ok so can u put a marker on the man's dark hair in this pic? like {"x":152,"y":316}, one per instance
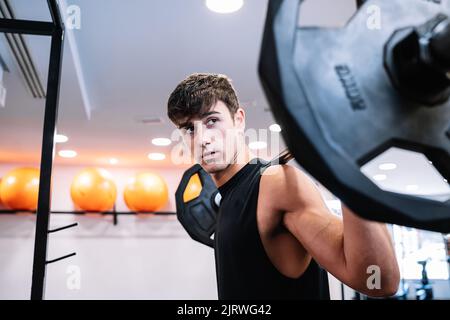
{"x":196,"y":94}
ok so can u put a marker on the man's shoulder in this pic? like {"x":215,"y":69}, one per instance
{"x":281,"y":176}
{"x":285,"y":187}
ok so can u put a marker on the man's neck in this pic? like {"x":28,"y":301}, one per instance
{"x":223,"y":176}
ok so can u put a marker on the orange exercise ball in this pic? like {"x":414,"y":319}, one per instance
{"x":146,"y":191}
{"x":19,"y":189}
{"x":93,"y":189}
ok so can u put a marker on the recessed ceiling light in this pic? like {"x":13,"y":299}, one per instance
{"x":224,"y":6}
{"x":412,"y":187}
{"x":156,"y":156}
{"x":379,"y":177}
{"x":275,"y":127}
{"x":387,"y":166}
{"x":113,"y":161}
{"x":161,"y":141}
{"x":256,"y":145}
{"x":67,"y":153}
{"x":60,"y":138}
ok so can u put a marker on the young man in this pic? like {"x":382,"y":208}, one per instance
{"x":273,"y":229}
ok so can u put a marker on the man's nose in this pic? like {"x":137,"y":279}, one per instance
{"x":204,"y":136}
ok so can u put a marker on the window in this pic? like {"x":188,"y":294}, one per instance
{"x":413,"y":245}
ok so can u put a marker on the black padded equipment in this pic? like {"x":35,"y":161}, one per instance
{"x":198,"y":215}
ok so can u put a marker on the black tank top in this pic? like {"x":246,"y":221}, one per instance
{"x":244,"y":271}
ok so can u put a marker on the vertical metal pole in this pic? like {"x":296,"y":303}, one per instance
{"x":114,"y":214}
{"x":47,"y":154}
{"x":359,"y":3}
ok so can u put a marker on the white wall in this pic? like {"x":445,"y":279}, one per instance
{"x":140,"y":258}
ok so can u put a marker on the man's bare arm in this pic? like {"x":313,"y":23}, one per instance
{"x":345,"y":247}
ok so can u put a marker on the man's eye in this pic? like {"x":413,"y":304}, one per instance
{"x":189,"y":130}
{"x":211,"y":121}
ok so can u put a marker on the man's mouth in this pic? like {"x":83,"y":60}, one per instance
{"x":209,"y":155}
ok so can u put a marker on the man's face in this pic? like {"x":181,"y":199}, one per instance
{"x":213,"y":138}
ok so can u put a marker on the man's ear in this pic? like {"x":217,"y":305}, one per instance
{"x":239,"y":119}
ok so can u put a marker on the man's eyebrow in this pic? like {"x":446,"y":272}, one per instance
{"x":203,"y":115}
{"x":208,"y":114}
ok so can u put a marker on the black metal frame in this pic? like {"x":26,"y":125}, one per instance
{"x":55,"y":29}
{"x":114,"y":213}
